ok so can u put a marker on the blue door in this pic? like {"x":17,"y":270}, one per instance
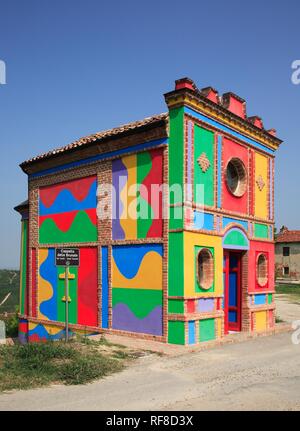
{"x":232,"y":291}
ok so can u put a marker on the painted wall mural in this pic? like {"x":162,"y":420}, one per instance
{"x":261,"y":186}
{"x":204,"y":169}
{"x":220,"y":253}
{"x":132,"y":177}
{"x":67,"y":212}
{"x":38,"y":332}
{"x":137,"y":288}
{"x":83,"y":289}
{"x":229,"y":202}
{"x":23,"y":267}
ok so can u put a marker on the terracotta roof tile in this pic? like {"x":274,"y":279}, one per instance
{"x":99,"y":136}
{"x":288,"y":236}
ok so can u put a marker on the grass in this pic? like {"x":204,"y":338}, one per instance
{"x":40,"y":364}
{"x":11,"y":324}
{"x":288,"y":288}
{"x":292,"y":290}
{"x":9,"y":283}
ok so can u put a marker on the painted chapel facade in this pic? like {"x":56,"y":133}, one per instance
{"x":203,"y":271}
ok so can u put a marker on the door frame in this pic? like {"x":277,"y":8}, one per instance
{"x":226,"y":269}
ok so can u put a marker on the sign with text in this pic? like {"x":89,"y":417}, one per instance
{"x":67,"y":256}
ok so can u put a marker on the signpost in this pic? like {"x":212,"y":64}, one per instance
{"x":67,"y":257}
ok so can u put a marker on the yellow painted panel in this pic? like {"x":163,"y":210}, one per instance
{"x":191,"y":240}
{"x":149,"y":275}
{"x":128,"y":219}
{"x":45,"y":290}
{"x":261,"y":194}
{"x":261,"y":320}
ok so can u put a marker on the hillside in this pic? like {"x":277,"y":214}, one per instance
{"x":9,"y":282}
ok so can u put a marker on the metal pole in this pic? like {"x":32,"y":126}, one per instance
{"x":67,"y":300}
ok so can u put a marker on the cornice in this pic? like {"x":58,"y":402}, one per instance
{"x":217,"y":112}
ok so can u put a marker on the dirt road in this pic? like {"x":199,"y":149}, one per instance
{"x":263,"y":373}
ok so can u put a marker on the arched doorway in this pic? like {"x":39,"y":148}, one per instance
{"x":235,"y":245}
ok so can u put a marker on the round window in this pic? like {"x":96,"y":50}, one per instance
{"x":262,"y":270}
{"x":205,"y":272}
{"x":236,"y":177}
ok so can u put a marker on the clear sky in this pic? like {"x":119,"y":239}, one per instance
{"x":77,"y":67}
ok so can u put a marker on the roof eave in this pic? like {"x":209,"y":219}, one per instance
{"x":159,"y":122}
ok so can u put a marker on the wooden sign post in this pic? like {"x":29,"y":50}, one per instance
{"x":67,"y":257}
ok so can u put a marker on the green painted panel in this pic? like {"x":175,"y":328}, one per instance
{"x":144,"y":210}
{"x":197,"y":286}
{"x":175,"y":270}
{"x":176,"y":218}
{"x":81,"y":230}
{"x":24,"y":242}
{"x":236,"y":238}
{"x":204,"y":145}
{"x":176,"y":306}
{"x":176,"y":150}
{"x":176,"y":332}
{"x":207,"y":330}
{"x":140,"y":301}
{"x":72,"y":294}
{"x":260,"y":230}
{"x":270,"y":298}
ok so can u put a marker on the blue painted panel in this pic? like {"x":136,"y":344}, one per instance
{"x":227,"y":220}
{"x":232,"y":316}
{"x":260,"y":299}
{"x":203,"y":220}
{"x":126,"y":150}
{"x":48,"y":271}
{"x":233,"y":289}
{"x":65,"y":201}
{"x":128,"y":258}
{"x":192,"y":332}
{"x":104,"y":287}
{"x":228,"y":130}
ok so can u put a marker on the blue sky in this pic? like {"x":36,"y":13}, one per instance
{"x":77,"y":67}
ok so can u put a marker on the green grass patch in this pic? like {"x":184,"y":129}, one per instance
{"x":40,"y":364}
{"x":292,"y":290}
{"x":9,"y":284}
{"x":11,"y":324}
{"x":288,"y":288}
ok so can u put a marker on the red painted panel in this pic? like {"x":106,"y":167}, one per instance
{"x":255,"y":248}
{"x":213,"y":96}
{"x":88,"y":287}
{"x":251,"y":185}
{"x":64,"y":220}
{"x":155,"y":176}
{"x":33,"y":282}
{"x":236,"y":106}
{"x":79,"y":189}
{"x":191,"y":306}
{"x":271,"y":322}
{"x":229,"y":201}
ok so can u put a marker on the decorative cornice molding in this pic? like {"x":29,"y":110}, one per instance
{"x":217,"y":112}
